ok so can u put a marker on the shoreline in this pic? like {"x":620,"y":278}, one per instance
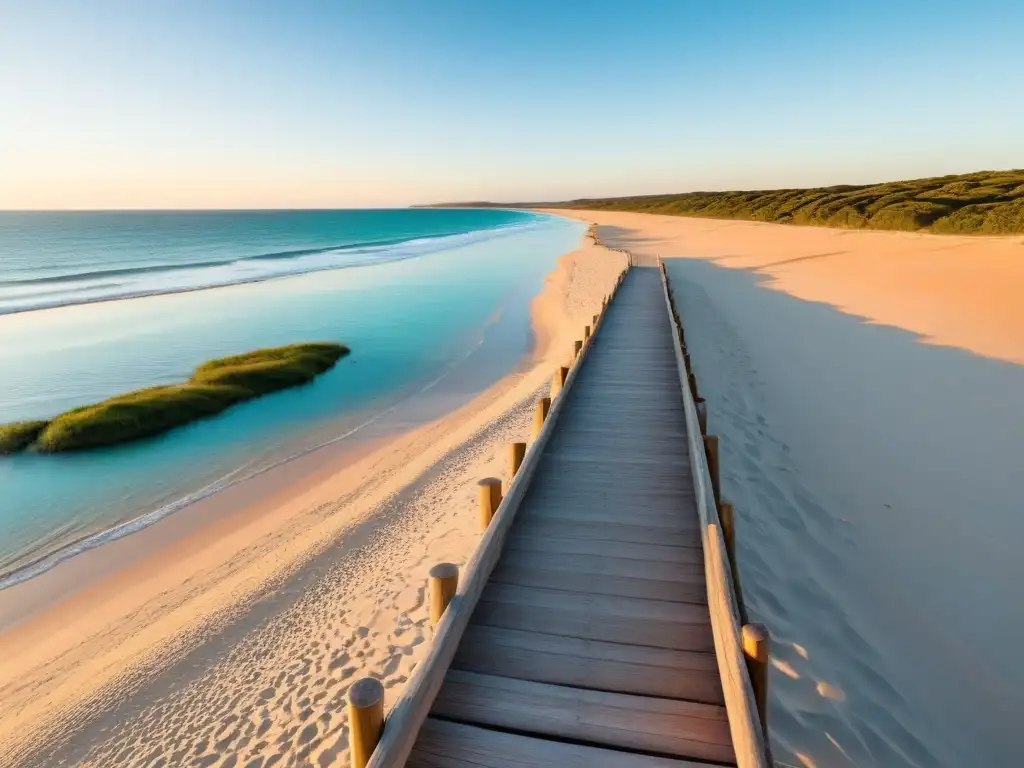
{"x":176,"y":583}
{"x":35,"y":558}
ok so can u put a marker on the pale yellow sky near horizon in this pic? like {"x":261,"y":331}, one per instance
{"x":195,"y":191}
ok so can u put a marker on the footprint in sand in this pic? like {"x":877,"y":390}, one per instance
{"x":308,"y":733}
{"x":391,"y":665}
{"x":340,"y":658}
{"x":409,"y":599}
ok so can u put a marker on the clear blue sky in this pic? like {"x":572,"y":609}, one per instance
{"x":216,"y":103}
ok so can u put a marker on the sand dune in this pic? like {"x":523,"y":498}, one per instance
{"x":236,"y":642}
{"x":959,"y":291}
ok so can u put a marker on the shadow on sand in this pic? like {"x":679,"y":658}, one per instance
{"x":877,"y":485}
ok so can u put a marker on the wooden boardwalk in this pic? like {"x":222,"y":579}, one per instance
{"x":591,"y":642}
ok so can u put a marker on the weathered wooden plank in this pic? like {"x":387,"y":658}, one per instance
{"x":658,"y":623}
{"x":636,"y":442}
{"x":565,"y":546}
{"x":665,"y":494}
{"x":454,"y":745}
{"x":598,"y":461}
{"x":691,"y":590}
{"x":611,"y":507}
{"x":598,"y":406}
{"x":629,"y":393}
{"x":606,"y":454}
{"x":625,"y":433}
{"x":645,"y":479}
{"x":546,"y":527}
{"x":544,"y":658}
{"x":617,"y":567}
{"x":644,"y":723}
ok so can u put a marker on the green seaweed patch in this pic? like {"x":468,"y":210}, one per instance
{"x":214,"y":386}
{"x":19,"y":435}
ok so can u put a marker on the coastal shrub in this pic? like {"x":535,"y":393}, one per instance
{"x":846,"y":217}
{"x":19,"y":435}
{"x":952,"y":203}
{"x":987,"y":218}
{"x":1004,"y":219}
{"x":214,"y":386}
{"x":909,"y":215}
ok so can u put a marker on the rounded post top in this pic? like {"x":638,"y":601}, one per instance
{"x":489,"y":481}
{"x":366,"y":692}
{"x":444,"y":571}
{"x":755,"y":641}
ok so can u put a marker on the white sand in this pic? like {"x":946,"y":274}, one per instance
{"x":238,"y":639}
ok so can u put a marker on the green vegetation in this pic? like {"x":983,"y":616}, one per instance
{"x":19,"y":435}
{"x":987,"y":202}
{"x":214,"y":386}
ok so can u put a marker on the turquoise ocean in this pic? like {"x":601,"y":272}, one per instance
{"x":433,"y":303}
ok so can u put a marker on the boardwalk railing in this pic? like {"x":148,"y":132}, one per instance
{"x":746,"y":718}
{"x":378,"y":743}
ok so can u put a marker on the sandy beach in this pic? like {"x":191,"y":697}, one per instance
{"x":958,"y":291}
{"x":230,"y":631}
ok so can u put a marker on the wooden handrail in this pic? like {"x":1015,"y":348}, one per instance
{"x":403,"y":723}
{"x":748,"y":738}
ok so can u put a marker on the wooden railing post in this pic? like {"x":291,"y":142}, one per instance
{"x":558,"y":382}
{"x":516,"y":453}
{"x":586,"y":332}
{"x":711,"y":449}
{"x":365,"y":719}
{"x":693,"y":387}
{"x":727,"y":516}
{"x":576,"y":347}
{"x":543,"y":406}
{"x":490,"y":500}
{"x":443,"y":582}
{"x":756,"y":649}
{"x":702,"y":415}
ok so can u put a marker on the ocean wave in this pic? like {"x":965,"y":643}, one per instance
{"x":51,"y":291}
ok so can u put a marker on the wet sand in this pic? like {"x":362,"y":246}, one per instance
{"x":229,"y":632}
